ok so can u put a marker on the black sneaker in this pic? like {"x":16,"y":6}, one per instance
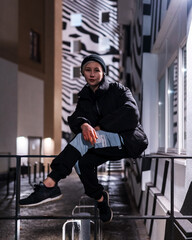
{"x":41,"y":194}
{"x":105,"y":211}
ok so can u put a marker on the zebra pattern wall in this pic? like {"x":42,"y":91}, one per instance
{"x":136,"y":55}
{"x":132,"y":52}
{"x":88,"y":27}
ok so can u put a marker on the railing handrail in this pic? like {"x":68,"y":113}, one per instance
{"x":17,"y":217}
{"x":54,"y":155}
{"x":26,"y":155}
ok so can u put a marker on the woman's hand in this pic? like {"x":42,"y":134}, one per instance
{"x":89,"y":133}
{"x":97,"y":128}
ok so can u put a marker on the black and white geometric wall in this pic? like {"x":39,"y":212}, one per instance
{"x":88,"y":27}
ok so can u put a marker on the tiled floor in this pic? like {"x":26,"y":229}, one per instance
{"x":72,"y":189}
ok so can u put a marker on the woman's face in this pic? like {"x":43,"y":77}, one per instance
{"x":93,"y":73}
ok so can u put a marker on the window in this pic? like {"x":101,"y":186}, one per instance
{"x":35,"y":46}
{"x":172,"y":97}
{"x":76,"y":72}
{"x":104,"y":44}
{"x":184,"y":96}
{"x":172,"y":106}
{"x":75,"y":98}
{"x":104,"y":17}
{"x":161,"y":113}
{"x":76,"y":46}
{"x":76,"y":19}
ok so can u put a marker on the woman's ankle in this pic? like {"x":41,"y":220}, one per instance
{"x":49,"y":182}
{"x":100,"y":200}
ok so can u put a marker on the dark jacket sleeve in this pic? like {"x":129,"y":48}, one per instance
{"x":125,"y":117}
{"x":77,"y":119}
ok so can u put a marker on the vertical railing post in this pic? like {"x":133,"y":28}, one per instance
{"x":8,"y":181}
{"x":172,"y":200}
{"x":40,"y":169}
{"x":29,"y":173}
{"x":109,"y":169}
{"x":48,"y":168}
{"x":35,"y":172}
{"x":43,"y":167}
{"x":95,"y":221}
{"x":17,"y":207}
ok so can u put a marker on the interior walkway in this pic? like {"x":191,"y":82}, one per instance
{"x":120,"y":200}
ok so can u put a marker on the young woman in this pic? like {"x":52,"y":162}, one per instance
{"x":106,"y":124}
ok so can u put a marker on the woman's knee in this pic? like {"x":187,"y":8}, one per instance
{"x":80,"y":144}
{"x":77,"y":139}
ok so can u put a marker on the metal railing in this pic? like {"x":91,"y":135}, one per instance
{"x":17,"y":217}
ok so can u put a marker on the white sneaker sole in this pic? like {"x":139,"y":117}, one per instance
{"x":44,"y":201}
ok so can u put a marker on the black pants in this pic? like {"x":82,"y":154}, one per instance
{"x":88,"y":168}
{"x":62,"y":166}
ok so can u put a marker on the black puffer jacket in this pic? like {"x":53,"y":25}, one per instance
{"x":113,"y":108}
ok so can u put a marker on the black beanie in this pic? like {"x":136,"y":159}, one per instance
{"x":95,"y":58}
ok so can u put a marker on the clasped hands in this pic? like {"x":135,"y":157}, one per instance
{"x":89,"y":133}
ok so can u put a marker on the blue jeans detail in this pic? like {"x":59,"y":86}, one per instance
{"x":105,"y":139}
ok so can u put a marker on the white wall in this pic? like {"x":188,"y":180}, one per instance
{"x":21,"y":107}
{"x":30,"y":106}
{"x":8,"y":106}
{"x":8,"y":110}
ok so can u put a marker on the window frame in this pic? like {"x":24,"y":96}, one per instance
{"x":179,"y":61}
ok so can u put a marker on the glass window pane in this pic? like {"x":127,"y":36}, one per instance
{"x":76,"y":72}
{"x":162,"y":112}
{"x":104,"y":44}
{"x":76,"y":46}
{"x":184,"y":95}
{"x":172,"y":105}
{"x":105,"y":17}
{"x":76,"y":19}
